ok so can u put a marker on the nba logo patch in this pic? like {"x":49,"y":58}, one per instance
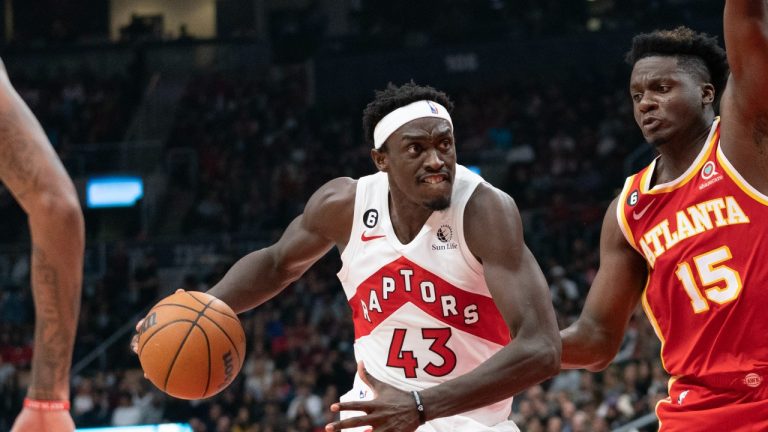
{"x":432,"y":107}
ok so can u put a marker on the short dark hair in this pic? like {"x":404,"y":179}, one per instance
{"x":697,"y":53}
{"x":394,"y":97}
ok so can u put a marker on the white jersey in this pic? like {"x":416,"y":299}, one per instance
{"x":422,"y":311}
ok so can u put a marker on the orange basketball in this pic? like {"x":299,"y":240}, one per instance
{"x":191,"y":345}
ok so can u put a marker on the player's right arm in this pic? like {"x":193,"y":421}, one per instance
{"x":260,"y":275}
{"x":594,"y":339}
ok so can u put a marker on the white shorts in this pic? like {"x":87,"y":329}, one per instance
{"x":455,"y":423}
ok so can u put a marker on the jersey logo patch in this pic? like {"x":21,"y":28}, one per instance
{"x":370,"y":218}
{"x":366,"y":238}
{"x":708,"y":171}
{"x":710,"y":175}
{"x":632,"y":198}
{"x":445,"y":233}
{"x":753,"y":380}
{"x":637,"y":215}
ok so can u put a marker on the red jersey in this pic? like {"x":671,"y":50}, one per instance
{"x":702,"y":237}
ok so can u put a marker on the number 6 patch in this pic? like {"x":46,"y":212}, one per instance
{"x":371,"y":217}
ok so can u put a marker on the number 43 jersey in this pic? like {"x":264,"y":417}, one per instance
{"x":422,"y":311}
{"x":703,"y":237}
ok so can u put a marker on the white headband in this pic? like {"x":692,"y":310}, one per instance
{"x":392,"y":121}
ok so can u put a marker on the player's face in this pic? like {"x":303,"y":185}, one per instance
{"x":420,"y":161}
{"x":667,"y":100}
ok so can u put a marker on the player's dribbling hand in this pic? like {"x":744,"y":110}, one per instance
{"x":391,"y":410}
{"x":135,"y":338}
{"x":33,"y":420}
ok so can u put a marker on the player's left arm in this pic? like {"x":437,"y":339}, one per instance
{"x":494,"y":234}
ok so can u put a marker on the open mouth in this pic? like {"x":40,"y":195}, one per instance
{"x":434,"y":178}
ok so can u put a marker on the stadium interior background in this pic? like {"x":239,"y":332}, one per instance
{"x":232,"y":112}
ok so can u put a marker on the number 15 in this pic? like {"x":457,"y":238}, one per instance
{"x":711,"y":272}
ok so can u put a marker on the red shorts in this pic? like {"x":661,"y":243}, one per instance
{"x":735,"y":402}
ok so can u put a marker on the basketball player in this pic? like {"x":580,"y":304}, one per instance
{"x":452,"y":314}
{"x":686,"y":233}
{"x":32,"y":172}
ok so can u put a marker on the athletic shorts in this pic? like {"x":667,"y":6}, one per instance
{"x":448,"y":424}
{"x":736,"y":402}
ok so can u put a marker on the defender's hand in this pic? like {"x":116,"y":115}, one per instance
{"x":391,"y":410}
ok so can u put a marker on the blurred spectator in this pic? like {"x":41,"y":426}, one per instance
{"x":126,"y":413}
{"x":306,"y":403}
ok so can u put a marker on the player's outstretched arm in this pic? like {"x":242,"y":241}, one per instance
{"x":35,"y":176}
{"x":260,"y":275}
{"x":745,"y":25}
{"x":744,"y":104}
{"x":594,"y":339}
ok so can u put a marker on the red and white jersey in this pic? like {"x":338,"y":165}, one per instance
{"x":702,"y":236}
{"x":422,"y":311}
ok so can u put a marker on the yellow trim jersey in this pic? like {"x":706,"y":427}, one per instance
{"x":702,"y":237}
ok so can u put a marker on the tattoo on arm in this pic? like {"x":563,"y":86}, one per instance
{"x":17,"y":154}
{"x":54,"y":328}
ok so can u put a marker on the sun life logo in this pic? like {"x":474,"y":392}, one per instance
{"x":445,"y":233}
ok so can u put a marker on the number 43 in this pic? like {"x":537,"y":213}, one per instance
{"x":711,"y":272}
{"x":405,"y":360}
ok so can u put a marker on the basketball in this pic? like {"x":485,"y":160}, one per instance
{"x":191,"y":345}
